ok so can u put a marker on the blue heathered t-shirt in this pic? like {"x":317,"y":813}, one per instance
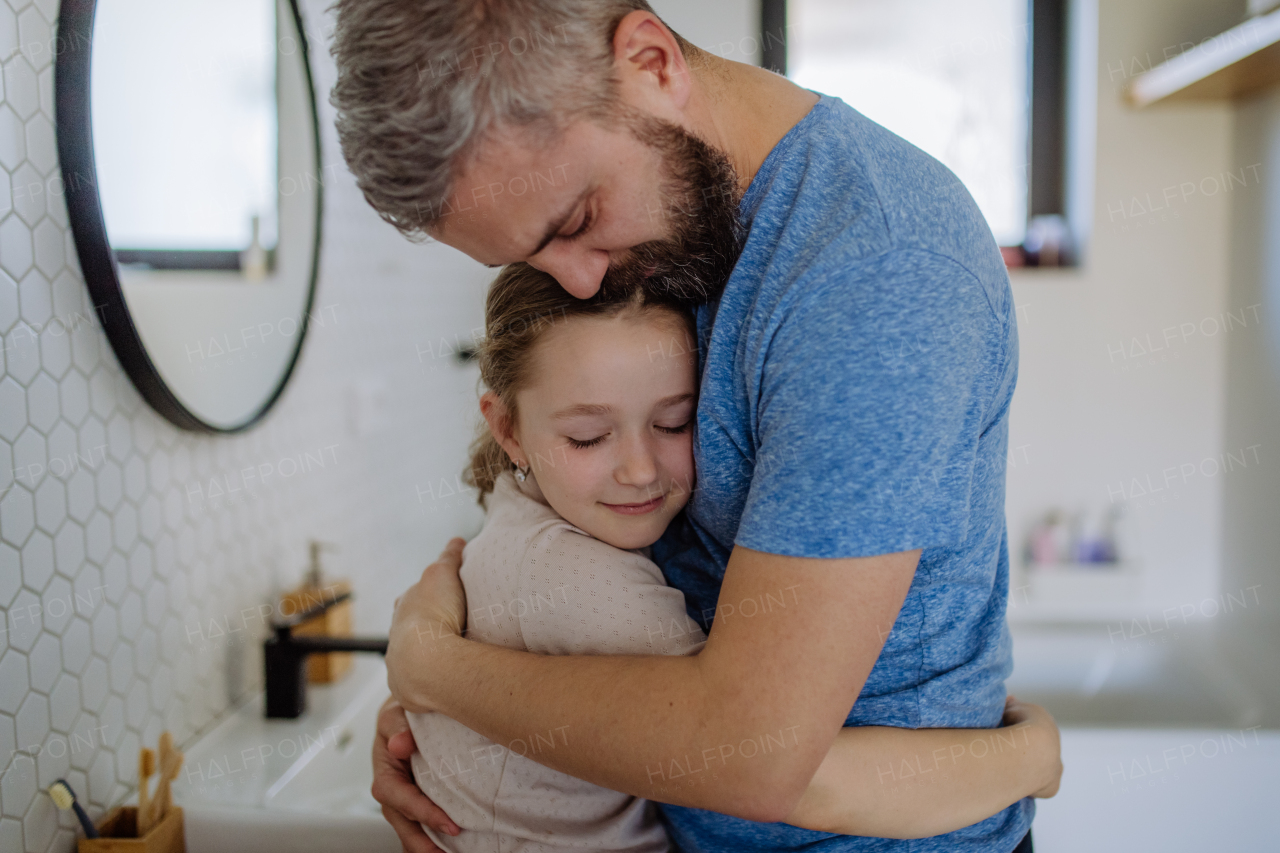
{"x":856,"y":378}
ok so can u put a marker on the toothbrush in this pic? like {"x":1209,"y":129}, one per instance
{"x":65,"y":798}
{"x":170,"y":762}
{"x":146,"y":766}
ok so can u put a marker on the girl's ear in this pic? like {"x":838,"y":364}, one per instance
{"x":498,"y":417}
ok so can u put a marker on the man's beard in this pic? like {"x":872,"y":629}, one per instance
{"x":700,"y":197}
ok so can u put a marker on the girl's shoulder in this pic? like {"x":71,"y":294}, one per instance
{"x":512,"y":514}
{"x":579,"y":595}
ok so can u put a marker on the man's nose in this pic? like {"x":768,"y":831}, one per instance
{"x":579,"y":271}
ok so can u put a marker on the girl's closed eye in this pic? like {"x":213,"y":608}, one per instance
{"x":584,"y":443}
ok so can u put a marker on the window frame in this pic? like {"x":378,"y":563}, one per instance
{"x":1047,"y":64}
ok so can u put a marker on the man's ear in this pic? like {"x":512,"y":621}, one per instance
{"x":498,"y":417}
{"x":652,"y":72}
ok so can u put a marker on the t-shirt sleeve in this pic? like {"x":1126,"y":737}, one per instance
{"x":873,"y":390}
{"x":582,"y":596}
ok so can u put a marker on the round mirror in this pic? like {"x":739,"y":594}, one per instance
{"x":189,"y":145}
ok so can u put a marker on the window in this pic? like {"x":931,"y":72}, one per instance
{"x":184,"y":129}
{"x":954,"y":79}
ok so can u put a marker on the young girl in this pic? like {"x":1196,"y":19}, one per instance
{"x":587,"y":457}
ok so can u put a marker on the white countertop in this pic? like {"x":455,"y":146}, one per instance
{"x":1175,"y":790}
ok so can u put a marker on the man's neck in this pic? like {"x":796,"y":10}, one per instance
{"x":744,"y":110}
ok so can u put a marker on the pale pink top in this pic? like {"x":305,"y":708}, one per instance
{"x":537,"y":583}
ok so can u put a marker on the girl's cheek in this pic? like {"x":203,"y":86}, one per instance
{"x":680,"y":461}
{"x":552,"y":462}
{"x":581,"y":472}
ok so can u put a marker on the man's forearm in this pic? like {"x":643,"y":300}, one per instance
{"x":915,"y":783}
{"x":643,"y":725}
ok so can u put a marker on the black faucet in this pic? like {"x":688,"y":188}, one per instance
{"x":284,"y":657}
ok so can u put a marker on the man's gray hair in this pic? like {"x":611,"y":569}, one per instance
{"x":421,"y":82}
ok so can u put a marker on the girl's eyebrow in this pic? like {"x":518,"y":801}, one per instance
{"x":588,"y":409}
{"x":674,"y":399}
{"x":582,"y":410}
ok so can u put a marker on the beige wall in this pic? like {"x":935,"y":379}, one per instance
{"x":1251,"y":506}
{"x":1091,"y":411}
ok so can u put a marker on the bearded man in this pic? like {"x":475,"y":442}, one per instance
{"x":858,"y":353}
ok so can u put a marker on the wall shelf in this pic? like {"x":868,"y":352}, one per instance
{"x":1240,"y":62}
{"x":1076,"y":592}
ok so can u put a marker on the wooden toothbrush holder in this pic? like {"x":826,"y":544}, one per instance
{"x":119,"y":834}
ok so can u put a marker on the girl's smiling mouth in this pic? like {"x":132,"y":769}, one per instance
{"x":635,"y":509}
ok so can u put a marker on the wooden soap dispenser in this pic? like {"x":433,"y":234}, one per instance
{"x":335,"y":621}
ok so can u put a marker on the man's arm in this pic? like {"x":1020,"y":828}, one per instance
{"x":951,"y":778}
{"x":915,"y":783}
{"x":740,"y":728}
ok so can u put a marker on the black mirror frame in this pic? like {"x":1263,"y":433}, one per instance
{"x":71,"y":80}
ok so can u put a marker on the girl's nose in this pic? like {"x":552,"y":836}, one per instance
{"x":638,"y":466}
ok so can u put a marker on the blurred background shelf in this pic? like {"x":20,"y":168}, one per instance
{"x":1242,"y":61}
{"x":1076,"y":592}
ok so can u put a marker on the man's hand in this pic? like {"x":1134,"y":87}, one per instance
{"x":403,"y":803}
{"x":1048,"y":770}
{"x":430,"y":613}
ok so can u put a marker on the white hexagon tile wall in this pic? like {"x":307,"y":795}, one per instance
{"x":121,"y":542}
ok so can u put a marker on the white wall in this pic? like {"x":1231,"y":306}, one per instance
{"x":728,"y":28}
{"x":117,"y":572}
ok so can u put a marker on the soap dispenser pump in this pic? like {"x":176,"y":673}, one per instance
{"x":315,"y":575}
{"x":334,"y":621}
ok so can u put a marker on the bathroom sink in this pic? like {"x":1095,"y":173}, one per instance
{"x":1104,"y":675}
{"x":255,"y":785}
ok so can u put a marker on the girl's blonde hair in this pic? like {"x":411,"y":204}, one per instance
{"x":523,"y":303}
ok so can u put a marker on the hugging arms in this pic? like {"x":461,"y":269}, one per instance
{"x":876,"y":781}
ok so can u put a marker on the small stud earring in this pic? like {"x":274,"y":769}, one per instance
{"x":521,"y":472}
